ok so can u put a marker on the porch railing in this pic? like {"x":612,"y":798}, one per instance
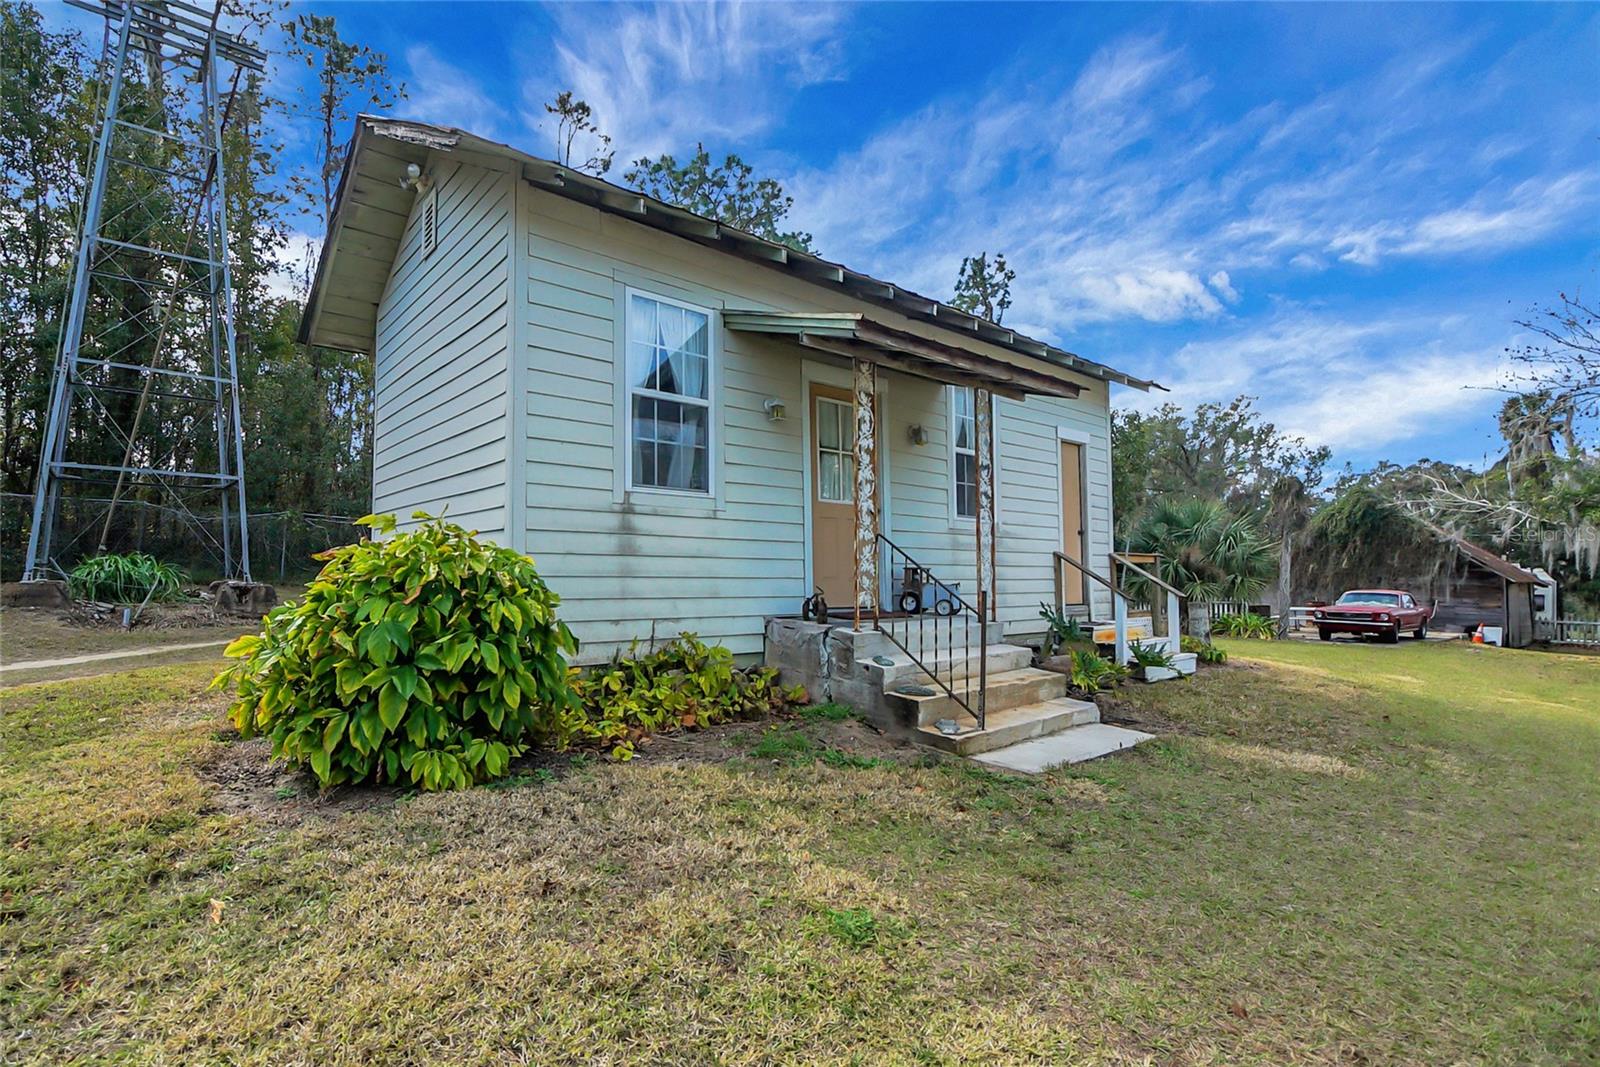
{"x":926,"y":610}
{"x":1119,"y":599}
{"x":1170,"y":605}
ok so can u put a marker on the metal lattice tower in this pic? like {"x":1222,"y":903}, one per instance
{"x":148,"y":338}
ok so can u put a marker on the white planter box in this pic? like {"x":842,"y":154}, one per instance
{"x":1158,"y":674}
{"x":1185,"y":662}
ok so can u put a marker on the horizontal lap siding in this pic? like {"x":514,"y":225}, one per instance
{"x":1028,"y":506}
{"x":443,"y":343}
{"x":649,"y":566}
{"x":631,"y":569}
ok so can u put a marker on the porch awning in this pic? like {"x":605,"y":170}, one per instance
{"x":852,"y":336}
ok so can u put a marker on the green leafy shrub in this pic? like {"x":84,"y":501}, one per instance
{"x":1204,"y":651}
{"x":429,"y":657}
{"x":1092,"y":672}
{"x":125,"y":579}
{"x":1248,"y":624}
{"x":1064,"y":629}
{"x":1150,"y":655}
{"x":684,"y":683}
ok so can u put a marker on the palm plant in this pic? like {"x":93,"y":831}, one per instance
{"x":1207,"y":551}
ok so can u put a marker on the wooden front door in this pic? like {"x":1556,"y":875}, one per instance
{"x":1072,"y":540}
{"x":833,"y":488}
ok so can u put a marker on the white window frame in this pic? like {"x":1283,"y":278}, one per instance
{"x":951,"y":451}
{"x":628,"y":391}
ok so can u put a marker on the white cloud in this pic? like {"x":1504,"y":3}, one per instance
{"x":437,"y":91}
{"x":1223,"y":285}
{"x":1348,"y":384}
{"x":1531,"y":211}
{"x":663,"y":77}
{"x":290,"y":279}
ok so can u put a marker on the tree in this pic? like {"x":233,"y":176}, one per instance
{"x":1225,"y":452}
{"x":1207,"y":551}
{"x":1564,"y":363}
{"x":45,"y":102}
{"x":1288,"y":511}
{"x":350,"y":78}
{"x":984,"y":288}
{"x":728,"y":192}
{"x":574,"y":119}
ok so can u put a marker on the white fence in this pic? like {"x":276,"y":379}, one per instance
{"x":1215,"y":609}
{"x":1570,"y":631}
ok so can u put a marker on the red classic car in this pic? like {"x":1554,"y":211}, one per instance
{"x":1380,"y":613}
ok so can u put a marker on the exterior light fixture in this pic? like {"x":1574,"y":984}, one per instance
{"x":414,"y":179}
{"x":918,"y":435}
{"x":776,"y":412}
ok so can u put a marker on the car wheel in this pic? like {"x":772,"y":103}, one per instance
{"x":1323,"y":634}
{"x":1422,"y":632}
{"x":1392,"y":636}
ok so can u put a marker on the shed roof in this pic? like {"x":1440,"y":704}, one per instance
{"x":1489,"y":561}
{"x":371,"y":210}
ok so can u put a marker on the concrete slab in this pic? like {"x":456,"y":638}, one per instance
{"x":1080,"y":743}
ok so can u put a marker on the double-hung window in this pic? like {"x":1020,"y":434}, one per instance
{"x":669,"y":395}
{"x":963,"y":452}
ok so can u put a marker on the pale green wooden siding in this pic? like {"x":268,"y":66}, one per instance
{"x":627,"y":566}
{"x":443,"y":341}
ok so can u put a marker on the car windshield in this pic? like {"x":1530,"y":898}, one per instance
{"x":1361,"y":597}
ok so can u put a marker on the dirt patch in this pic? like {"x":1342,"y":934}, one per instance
{"x":249,"y":782}
{"x":1118,"y":710}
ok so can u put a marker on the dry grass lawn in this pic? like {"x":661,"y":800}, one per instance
{"x":1346,"y":854}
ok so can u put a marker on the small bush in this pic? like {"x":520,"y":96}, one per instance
{"x":1150,"y":655}
{"x":1204,"y":651}
{"x":125,"y":579}
{"x":684,"y":683}
{"x":1248,"y":624}
{"x":429,"y":657}
{"x":1063,"y":629}
{"x":1092,"y":672}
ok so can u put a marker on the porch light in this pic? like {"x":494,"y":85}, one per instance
{"x":918,"y":435}
{"x":774,"y":408}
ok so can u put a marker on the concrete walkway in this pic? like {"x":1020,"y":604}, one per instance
{"x":128,"y":653}
{"x":1080,"y":743}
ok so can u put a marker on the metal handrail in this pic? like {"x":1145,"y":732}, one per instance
{"x":921,"y":657}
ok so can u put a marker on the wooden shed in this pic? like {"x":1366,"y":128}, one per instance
{"x":1478,"y":588}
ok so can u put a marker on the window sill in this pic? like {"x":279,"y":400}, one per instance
{"x":668,"y":502}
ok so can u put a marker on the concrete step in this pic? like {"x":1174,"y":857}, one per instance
{"x":1014,"y":725}
{"x":1074,"y":745}
{"x":903,"y":669}
{"x":1010,"y":689}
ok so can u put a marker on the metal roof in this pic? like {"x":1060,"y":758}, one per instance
{"x":341,"y":309}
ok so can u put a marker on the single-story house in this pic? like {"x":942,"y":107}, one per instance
{"x":690,"y":427}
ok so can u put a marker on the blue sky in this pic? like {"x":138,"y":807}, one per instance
{"x":1338,"y":209}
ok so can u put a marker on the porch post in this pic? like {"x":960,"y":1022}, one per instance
{"x":983,"y":422}
{"x":866,"y":488}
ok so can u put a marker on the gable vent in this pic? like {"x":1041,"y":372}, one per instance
{"x":430,"y":223}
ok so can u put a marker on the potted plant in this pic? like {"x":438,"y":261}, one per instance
{"x":1152,"y":663}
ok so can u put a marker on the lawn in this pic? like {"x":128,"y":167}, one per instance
{"x":1335,"y":854}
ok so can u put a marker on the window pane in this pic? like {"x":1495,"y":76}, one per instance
{"x":698,"y":329}
{"x":966,"y":486}
{"x":642,"y":321}
{"x":831,"y":477}
{"x":828,"y":424}
{"x":672,"y":445}
{"x":688,"y":375}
